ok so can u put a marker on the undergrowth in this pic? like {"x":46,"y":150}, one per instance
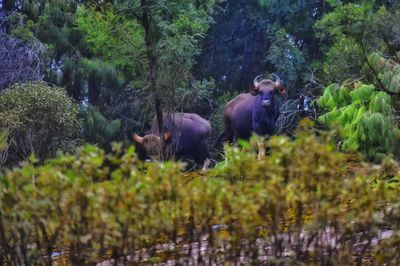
{"x":303,"y":203}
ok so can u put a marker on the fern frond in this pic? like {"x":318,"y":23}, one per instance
{"x":366,"y":121}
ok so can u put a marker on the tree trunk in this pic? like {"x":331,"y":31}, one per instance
{"x":8,"y":5}
{"x":152,"y":71}
{"x":93,"y":89}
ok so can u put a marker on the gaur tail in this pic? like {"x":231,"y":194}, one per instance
{"x":219,"y":139}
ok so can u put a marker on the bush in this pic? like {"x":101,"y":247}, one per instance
{"x":364,"y":116}
{"x":302,"y":204}
{"x":40,"y":120}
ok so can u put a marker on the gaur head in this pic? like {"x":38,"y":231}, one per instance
{"x":267,"y":89}
{"x":151,"y":143}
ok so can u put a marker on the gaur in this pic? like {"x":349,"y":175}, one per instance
{"x":185,"y":136}
{"x":253,"y":112}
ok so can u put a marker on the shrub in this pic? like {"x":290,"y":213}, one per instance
{"x":39,"y":120}
{"x":301,"y":204}
{"x":364,"y":116}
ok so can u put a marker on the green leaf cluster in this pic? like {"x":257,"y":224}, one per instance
{"x":388,"y":70}
{"x":111,"y":37}
{"x":364,"y":116}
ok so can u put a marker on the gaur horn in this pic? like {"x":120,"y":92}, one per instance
{"x":278,"y":80}
{"x":137,"y":138}
{"x":255,"y":82}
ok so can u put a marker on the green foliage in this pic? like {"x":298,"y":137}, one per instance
{"x":365,"y":117}
{"x":293,"y":43}
{"x":172,"y":38}
{"x":112,"y":38}
{"x":286,"y":57}
{"x":84,"y":56}
{"x":3,"y":139}
{"x":305,"y":152}
{"x":388,"y":71}
{"x":351,"y":32}
{"x":19,"y":29}
{"x":98,"y":130}
{"x":260,"y":36}
{"x":343,"y":60}
{"x":197,"y":97}
{"x":93,"y":206}
{"x":235,"y":46}
{"x":52,"y":23}
{"x":343,"y":30}
{"x":295,"y":17}
{"x":352,"y":14}
{"x":40,"y":120}
{"x":217,"y":122}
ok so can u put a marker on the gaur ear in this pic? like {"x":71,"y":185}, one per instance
{"x":280,"y":89}
{"x":137,"y":138}
{"x":166,"y":135}
{"x":254,"y":91}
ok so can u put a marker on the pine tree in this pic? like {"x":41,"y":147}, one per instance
{"x":99,"y":130}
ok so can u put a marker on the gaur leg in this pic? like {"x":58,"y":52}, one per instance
{"x":206,"y":164}
{"x":201,"y":155}
{"x":229,"y":132}
{"x":261,"y":145}
{"x":261,"y":148}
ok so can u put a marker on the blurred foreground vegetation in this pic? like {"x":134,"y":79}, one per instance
{"x":304,"y":203}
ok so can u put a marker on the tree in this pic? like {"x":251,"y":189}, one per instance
{"x":99,"y":130}
{"x":386,"y":72}
{"x":286,"y":57}
{"x":297,"y":18}
{"x":254,"y":37}
{"x":19,"y":61}
{"x":40,"y":120}
{"x":171,"y":31}
{"x":351,"y":32}
{"x":69,"y":61}
{"x":115,"y":57}
{"x":234,"y":49}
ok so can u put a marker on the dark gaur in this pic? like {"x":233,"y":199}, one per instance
{"x":256,"y":111}
{"x":185,"y":135}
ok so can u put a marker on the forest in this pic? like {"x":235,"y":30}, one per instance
{"x":199,"y":132}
